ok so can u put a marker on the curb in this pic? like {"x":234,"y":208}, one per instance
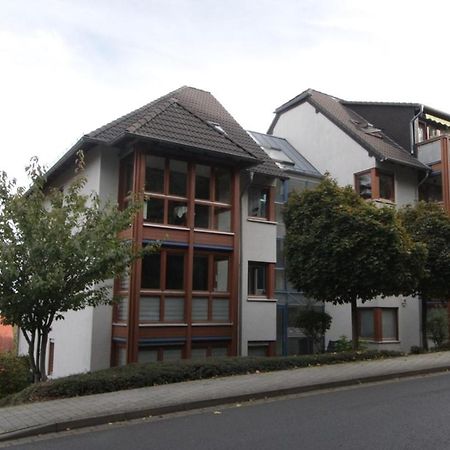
{"x":155,"y":411}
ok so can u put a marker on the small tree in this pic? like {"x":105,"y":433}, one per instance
{"x":437,"y":326}
{"x":56,"y":251}
{"x":429,"y":225}
{"x":314,"y":324}
{"x":340,"y":248}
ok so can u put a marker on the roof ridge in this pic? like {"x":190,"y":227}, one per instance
{"x":135,"y":111}
{"x":159,"y":109}
{"x":225,"y":134}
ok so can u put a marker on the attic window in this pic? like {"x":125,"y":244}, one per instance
{"x":217,"y":127}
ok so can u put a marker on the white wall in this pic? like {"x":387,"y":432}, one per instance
{"x":258,"y":317}
{"x":324,"y":144}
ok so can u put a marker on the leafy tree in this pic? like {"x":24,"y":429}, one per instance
{"x":340,"y":248}
{"x":429,"y":224}
{"x":56,"y":252}
{"x":437,"y":325}
{"x":314,"y":324}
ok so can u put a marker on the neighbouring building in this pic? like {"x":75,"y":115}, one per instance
{"x":393,"y":154}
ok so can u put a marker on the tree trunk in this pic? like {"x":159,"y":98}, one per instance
{"x":355,"y":332}
{"x":42,"y":356}
{"x":424,"y":323}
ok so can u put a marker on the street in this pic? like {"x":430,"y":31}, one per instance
{"x":404,"y":414}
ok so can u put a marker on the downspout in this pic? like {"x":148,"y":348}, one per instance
{"x":411,"y":129}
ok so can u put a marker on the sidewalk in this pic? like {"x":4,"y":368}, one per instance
{"x":58,"y":415}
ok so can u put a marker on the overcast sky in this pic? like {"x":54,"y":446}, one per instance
{"x":68,"y":67}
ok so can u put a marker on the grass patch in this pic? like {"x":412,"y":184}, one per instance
{"x":151,"y":374}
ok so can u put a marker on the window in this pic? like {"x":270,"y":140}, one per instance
{"x":51,"y":356}
{"x":211,"y":300}
{"x":153,"y":354}
{"x":378,"y":324}
{"x":167,"y":199}
{"x":257,"y":279}
{"x":162,"y":282}
{"x":258,"y":349}
{"x":258,"y":202}
{"x":375,"y":184}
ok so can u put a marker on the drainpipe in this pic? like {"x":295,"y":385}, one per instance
{"x":411,"y":129}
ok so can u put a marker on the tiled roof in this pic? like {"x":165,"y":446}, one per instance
{"x":287,"y":157}
{"x":190,"y":117}
{"x":372,"y":139}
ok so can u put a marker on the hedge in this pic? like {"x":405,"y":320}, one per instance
{"x":14,"y":373}
{"x":150,"y":374}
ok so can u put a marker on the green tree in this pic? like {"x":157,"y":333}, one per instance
{"x":57,"y":250}
{"x":340,"y":248}
{"x":429,"y":225}
{"x":437,"y":325}
{"x":314,"y":324}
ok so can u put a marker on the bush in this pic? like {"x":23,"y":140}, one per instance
{"x":314,"y":324}
{"x":437,"y":326}
{"x":150,"y":374}
{"x":14,"y":373}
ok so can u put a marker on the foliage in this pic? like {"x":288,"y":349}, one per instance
{"x":56,"y":251}
{"x":340,"y":248}
{"x":314,"y":324}
{"x":343,"y":344}
{"x":14,"y":373}
{"x":437,"y":326}
{"x":150,"y":374}
{"x":429,"y":225}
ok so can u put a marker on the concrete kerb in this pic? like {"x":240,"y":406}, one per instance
{"x":188,"y":406}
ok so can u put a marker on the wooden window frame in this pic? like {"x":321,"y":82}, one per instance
{"x":269,"y":280}
{"x":377,"y":313}
{"x":270,"y":202}
{"x":375,"y":183}
{"x":210,"y":294}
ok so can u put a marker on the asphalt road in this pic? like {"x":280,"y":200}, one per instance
{"x":406,"y":414}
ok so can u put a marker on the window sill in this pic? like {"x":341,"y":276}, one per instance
{"x":261,"y":299}
{"x":170,"y":227}
{"x":162,"y":324}
{"x":261,"y":220}
{"x":212,"y":324}
{"x":120,"y":324}
{"x":207,"y":230}
{"x":391,"y":341}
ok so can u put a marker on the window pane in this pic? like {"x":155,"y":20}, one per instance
{"x":151,"y":271}
{"x":199,"y":308}
{"x":201,"y":219}
{"x":154,"y":210}
{"x":389,"y":323}
{"x":178,"y":178}
{"x":257,"y":350}
{"x":221,"y":273}
{"x":177,"y":213}
{"x":202,"y":177}
{"x":280,"y":187}
{"x":122,"y":309}
{"x":173,"y":309}
{"x":280,"y":253}
{"x":223,"y":186}
{"x":147,"y":355}
{"x":128,"y":176}
{"x":219,"y":352}
{"x":198,"y":353}
{"x":222,"y":219}
{"x":366,"y":323}
{"x":200,"y":273}
{"x":280,"y":283}
{"x":386,"y":186}
{"x":175,"y":271}
{"x":256,"y":278}
{"x":154,"y":174}
{"x":172,"y":354}
{"x":121,"y":356}
{"x":149,"y":309}
{"x":257,"y":202}
{"x":364,"y":185}
{"x":220,"y":308}
{"x":125,"y":282}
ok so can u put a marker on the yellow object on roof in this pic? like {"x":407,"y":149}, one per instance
{"x":438,"y":120}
